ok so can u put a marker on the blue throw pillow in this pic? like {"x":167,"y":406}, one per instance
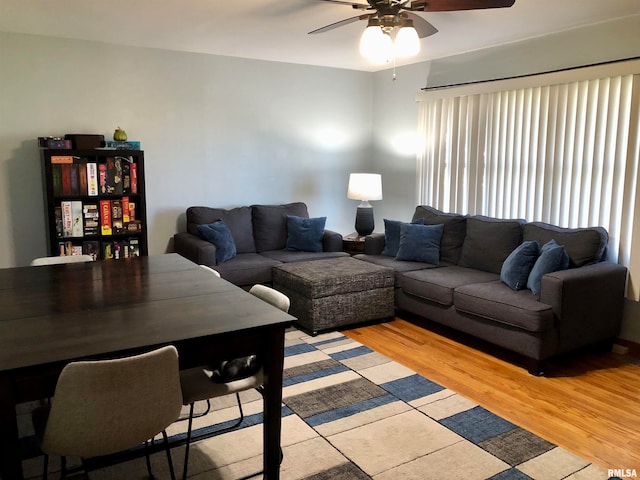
{"x":420,"y":243}
{"x":218,"y":234}
{"x":517,"y":266}
{"x":305,"y":234}
{"x":553,"y":257}
{"x":392,"y":236}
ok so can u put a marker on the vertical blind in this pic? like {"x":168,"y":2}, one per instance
{"x":565,"y":154}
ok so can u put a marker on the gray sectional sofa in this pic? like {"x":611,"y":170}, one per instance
{"x":259,"y":234}
{"x":575,"y":307}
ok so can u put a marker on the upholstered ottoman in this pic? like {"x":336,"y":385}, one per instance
{"x":327,"y":294}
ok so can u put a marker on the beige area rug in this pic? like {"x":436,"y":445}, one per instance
{"x":349,"y":414}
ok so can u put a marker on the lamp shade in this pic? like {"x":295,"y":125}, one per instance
{"x":365,"y":186}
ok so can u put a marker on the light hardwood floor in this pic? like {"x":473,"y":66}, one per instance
{"x":588,"y":404}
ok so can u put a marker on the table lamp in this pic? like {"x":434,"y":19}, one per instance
{"x":365,"y":187}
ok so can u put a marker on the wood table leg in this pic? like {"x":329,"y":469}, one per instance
{"x":273,"y":364}
{"x":10,"y":454}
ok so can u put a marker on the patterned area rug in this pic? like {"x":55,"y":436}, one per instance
{"x":351,"y":414}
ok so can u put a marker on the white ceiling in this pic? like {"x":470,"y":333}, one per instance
{"x":277,"y":29}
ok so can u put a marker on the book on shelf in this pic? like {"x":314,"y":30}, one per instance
{"x":91,"y":247}
{"x":83,"y":180}
{"x":134,"y":247}
{"x":59,"y":159}
{"x":56,"y":179}
{"x":91,"y":219}
{"x":58,"y":219}
{"x":107,"y":250}
{"x":125,"y":210}
{"x":134,"y":178}
{"x":114,"y":176}
{"x":102,"y":178}
{"x":92,"y":179}
{"x":66,"y":179}
{"x":67,"y":218}
{"x":76,"y":218}
{"x":105,"y":217}
{"x":75,"y":179}
{"x":116,"y":216}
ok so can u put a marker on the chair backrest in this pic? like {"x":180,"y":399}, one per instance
{"x":211,"y":270}
{"x":269,"y":295}
{"x":102,"y":407}
{"x":36,"y":262}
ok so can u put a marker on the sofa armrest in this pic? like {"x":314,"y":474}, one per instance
{"x":374,"y":244}
{"x":587,"y":303}
{"x":331,"y":241}
{"x":195,"y":248}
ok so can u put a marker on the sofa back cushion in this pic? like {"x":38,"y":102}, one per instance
{"x":237,"y":220}
{"x":489,"y":241}
{"x":452,"y":235}
{"x":270,"y":224}
{"x":583,"y":245}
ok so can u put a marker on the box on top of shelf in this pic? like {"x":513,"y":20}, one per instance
{"x":123,"y":145}
{"x":82,"y":141}
{"x":53,"y":142}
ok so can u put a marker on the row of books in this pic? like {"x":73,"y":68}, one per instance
{"x":117,"y":176}
{"x":111,"y":250}
{"x":104,"y":217}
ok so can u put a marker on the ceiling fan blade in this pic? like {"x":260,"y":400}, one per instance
{"x":453,"y":5}
{"x":341,"y":23}
{"x":424,"y":28}
{"x":355,"y":6}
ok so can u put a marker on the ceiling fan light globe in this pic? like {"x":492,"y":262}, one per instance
{"x":375,"y":45}
{"x":407,"y":42}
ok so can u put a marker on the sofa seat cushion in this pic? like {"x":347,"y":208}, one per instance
{"x":247,"y":269}
{"x":496,"y":301}
{"x":438,"y":284}
{"x":583,"y":245}
{"x":237,"y":220}
{"x":287,"y":256}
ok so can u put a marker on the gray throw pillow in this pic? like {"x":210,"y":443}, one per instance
{"x":553,"y":257}
{"x":218,"y":234}
{"x":305,"y":234}
{"x":517,"y":266}
{"x":420,"y":243}
{"x":392,"y":236}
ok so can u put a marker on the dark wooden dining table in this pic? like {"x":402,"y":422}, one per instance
{"x":52,"y":315}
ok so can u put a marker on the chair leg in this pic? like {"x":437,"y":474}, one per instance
{"x":146,"y":456}
{"x":169,"y":460}
{"x":186,"y":448}
{"x":45,"y":468}
{"x":63,"y":467}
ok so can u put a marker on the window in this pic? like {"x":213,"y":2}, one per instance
{"x":544,"y":148}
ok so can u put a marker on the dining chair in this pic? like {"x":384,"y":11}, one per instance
{"x":210,"y":270}
{"x":198,"y":384}
{"x":107,"y":406}
{"x":36,"y":262}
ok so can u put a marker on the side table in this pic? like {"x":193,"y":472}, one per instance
{"x":353,"y":243}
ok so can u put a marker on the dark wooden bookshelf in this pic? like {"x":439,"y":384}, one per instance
{"x":72,"y":189}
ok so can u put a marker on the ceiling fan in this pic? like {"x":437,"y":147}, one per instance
{"x":389,"y":16}
{"x":384,"y":9}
